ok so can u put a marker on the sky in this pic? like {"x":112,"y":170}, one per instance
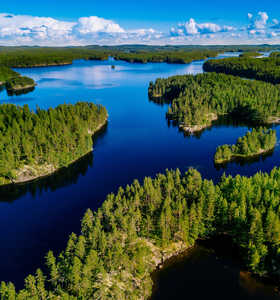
{"x":111,"y":22}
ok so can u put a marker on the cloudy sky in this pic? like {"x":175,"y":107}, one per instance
{"x":111,"y":22}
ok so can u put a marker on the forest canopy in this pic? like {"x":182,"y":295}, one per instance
{"x":195,"y":99}
{"x":35,"y":143}
{"x":266,"y":69}
{"x":179,"y":57}
{"x":121,"y":243}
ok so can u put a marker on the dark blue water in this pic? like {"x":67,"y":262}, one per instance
{"x":137,"y":142}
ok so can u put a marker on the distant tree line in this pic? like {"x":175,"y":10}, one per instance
{"x":254,"y":142}
{"x":54,"y":137}
{"x":115,"y":253}
{"x":249,"y":54}
{"x":179,"y":57}
{"x":265,"y":69}
{"x":21,"y":57}
{"x":194,"y":98}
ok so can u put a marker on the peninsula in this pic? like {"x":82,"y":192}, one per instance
{"x":36,"y":144}
{"x":196,"y":100}
{"x":14,"y":82}
{"x":139,"y":227}
{"x":266,"y":69}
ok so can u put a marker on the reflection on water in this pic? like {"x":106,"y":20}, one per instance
{"x":242,"y":161}
{"x":20,"y":92}
{"x":61,"y":178}
{"x":210,"y":270}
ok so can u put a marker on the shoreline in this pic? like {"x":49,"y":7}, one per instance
{"x":242,"y":156}
{"x":21,"y":89}
{"x":191,"y":129}
{"x":49,"y":169}
{"x":179,"y":256}
{"x":43,"y":65}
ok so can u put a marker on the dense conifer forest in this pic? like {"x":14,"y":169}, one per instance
{"x":255,"y":142}
{"x":198,"y":99}
{"x":33,"y":144}
{"x":250,"y":54}
{"x":265,"y":69}
{"x":141,"y":225}
{"x":22,"y":57}
{"x":179,"y":57}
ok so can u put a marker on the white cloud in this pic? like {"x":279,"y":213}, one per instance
{"x":193,"y":28}
{"x":24,"y":29}
{"x":273,"y":34}
{"x":93,"y":25}
{"x":259,"y":22}
{"x":32,"y":30}
{"x":250,"y":16}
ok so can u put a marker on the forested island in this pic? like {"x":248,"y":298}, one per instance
{"x":138,"y":228}
{"x":14,"y":82}
{"x":266,"y":69}
{"x":35,"y":144}
{"x":197,"y":100}
{"x":255,"y":142}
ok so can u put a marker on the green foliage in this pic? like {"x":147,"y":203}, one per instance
{"x":6,"y":74}
{"x":250,"y":54}
{"x":113,"y":256}
{"x":19,"y":83}
{"x":54,"y":137}
{"x":265,"y":69}
{"x":194,"y":98}
{"x":179,"y":57}
{"x":39,"y":56}
{"x":13,"y":81}
{"x":254,"y":142}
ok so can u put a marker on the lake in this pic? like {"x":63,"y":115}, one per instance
{"x":211,"y":269}
{"x":138,"y":141}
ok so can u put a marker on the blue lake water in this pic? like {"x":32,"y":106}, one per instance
{"x":137,"y":142}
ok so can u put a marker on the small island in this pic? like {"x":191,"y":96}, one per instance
{"x":20,"y":84}
{"x":36,"y":144}
{"x":14,"y":82}
{"x":255,"y":142}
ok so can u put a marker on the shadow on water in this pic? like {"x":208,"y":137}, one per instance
{"x":20,"y":92}
{"x":232,"y":120}
{"x":61,"y":178}
{"x":212,"y":269}
{"x":241,"y":161}
{"x":222,"y":121}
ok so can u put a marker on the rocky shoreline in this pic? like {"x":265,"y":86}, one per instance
{"x":236,"y":156}
{"x":29,"y":173}
{"x":191,"y":129}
